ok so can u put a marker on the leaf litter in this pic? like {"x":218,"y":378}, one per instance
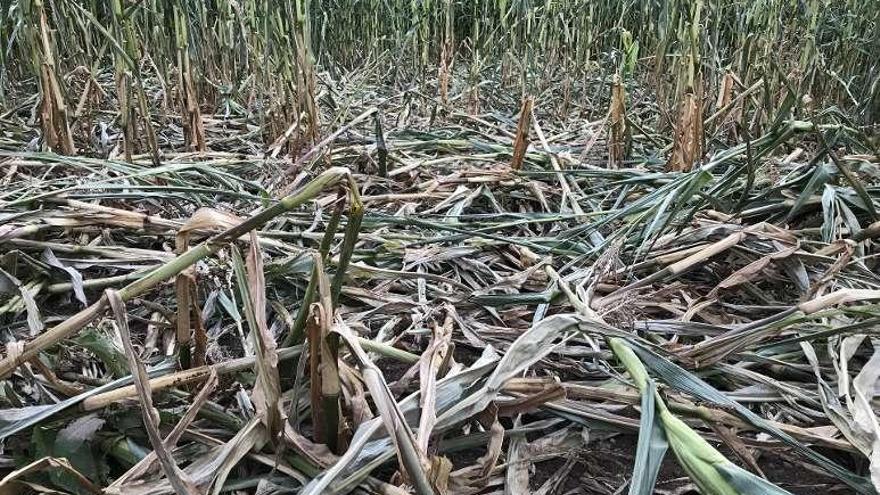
{"x":470,"y":303}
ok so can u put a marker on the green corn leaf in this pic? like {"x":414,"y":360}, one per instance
{"x":746,"y":483}
{"x":681,"y":379}
{"x":651,"y":448}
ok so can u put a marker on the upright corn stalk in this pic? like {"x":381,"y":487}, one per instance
{"x":275,"y":76}
{"x":53,"y":110}
{"x":126,"y":59}
{"x":687,"y":146}
{"x":446,"y":54}
{"x":808,"y":54}
{"x":724,"y":105}
{"x":314,"y":336}
{"x":473,"y":97}
{"x":324,"y":349}
{"x":193,"y":130}
{"x":688,"y":138}
{"x":419,"y":14}
{"x":317,"y":318}
{"x":122,"y":82}
{"x":521,"y":143}
{"x":617,"y":147}
{"x":305,"y":74}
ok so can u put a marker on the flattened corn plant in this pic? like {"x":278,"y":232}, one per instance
{"x":454,"y":247}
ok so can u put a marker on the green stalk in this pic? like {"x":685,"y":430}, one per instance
{"x":355,"y":216}
{"x":329,"y":364}
{"x":296,"y":331}
{"x":330,"y":385}
{"x":713,"y":473}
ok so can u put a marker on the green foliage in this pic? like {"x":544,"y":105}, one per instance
{"x":630,"y":57}
{"x":106,"y":349}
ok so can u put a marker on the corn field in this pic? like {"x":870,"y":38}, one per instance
{"x":439,"y":247}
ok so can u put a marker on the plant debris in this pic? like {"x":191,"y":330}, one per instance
{"x":373,"y":285}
